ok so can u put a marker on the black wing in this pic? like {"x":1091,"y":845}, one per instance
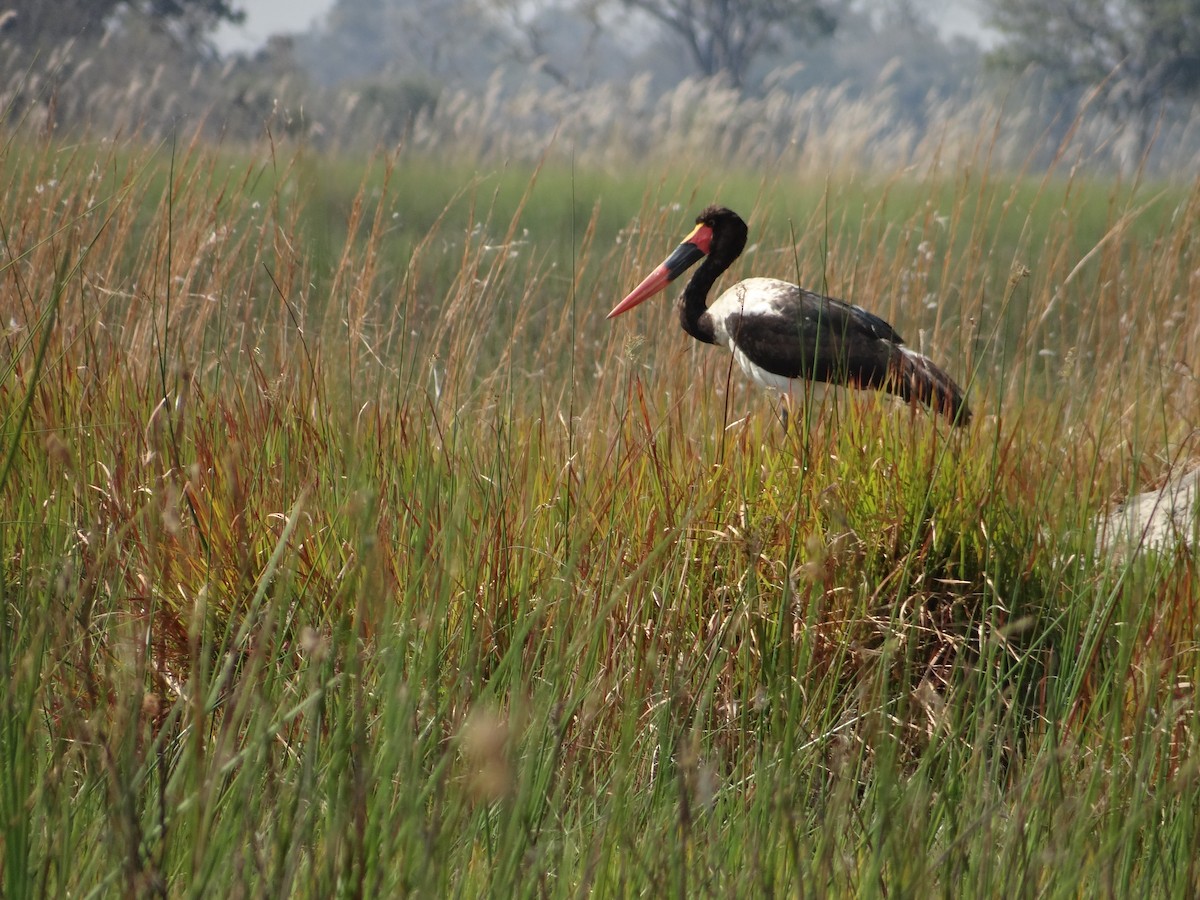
{"x":801,"y":334}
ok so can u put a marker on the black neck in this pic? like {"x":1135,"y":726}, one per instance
{"x":694,"y":301}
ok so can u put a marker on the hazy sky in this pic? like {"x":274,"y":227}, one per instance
{"x":267,"y":17}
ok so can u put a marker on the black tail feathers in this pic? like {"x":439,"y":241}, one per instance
{"x":915,"y":377}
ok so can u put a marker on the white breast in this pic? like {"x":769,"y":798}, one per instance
{"x":753,"y":296}
{"x":761,"y":376}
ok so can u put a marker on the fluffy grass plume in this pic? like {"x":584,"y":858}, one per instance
{"x":348,"y":550}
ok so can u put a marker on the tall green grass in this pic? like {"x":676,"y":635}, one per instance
{"x":348,"y":550}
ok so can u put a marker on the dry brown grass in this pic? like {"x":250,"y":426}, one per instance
{"x":293,"y":525}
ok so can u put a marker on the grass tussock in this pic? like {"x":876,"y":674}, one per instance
{"x":348,"y":549}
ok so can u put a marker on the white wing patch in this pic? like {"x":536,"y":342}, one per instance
{"x":752,"y":296}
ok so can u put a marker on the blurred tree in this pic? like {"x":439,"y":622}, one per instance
{"x":554,"y":37}
{"x":40,"y":23}
{"x":726,"y":36}
{"x":435,"y":39}
{"x":463,"y":42}
{"x":1143,"y":53}
{"x":880,"y":47}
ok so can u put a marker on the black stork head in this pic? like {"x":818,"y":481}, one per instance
{"x":720,"y":234}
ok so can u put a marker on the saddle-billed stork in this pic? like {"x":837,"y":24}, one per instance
{"x":781,"y":334}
